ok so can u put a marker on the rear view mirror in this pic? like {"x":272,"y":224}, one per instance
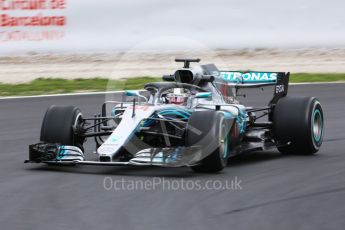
{"x":131,"y":93}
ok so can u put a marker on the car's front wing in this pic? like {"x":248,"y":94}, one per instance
{"x":71,"y":155}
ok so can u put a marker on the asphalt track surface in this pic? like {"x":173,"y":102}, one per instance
{"x":278,"y":192}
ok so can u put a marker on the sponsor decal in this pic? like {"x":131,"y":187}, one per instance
{"x":140,"y":107}
{"x":215,"y":73}
{"x":250,"y":77}
{"x":279,"y":89}
{"x":114,"y":139}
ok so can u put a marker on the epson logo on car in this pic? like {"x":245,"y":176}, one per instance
{"x":279,"y":89}
{"x":239,"y":77}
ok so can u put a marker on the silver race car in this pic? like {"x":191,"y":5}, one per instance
{"x":193,"y":118}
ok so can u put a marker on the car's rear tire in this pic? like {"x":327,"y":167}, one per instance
{"x":298,"y":125}
{"x":210,"y":130}
{"x":58,"y":126}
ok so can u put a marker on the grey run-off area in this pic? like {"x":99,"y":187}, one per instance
{"x":278,"y":192}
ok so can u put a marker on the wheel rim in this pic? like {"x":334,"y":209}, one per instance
{"x":77,"y":122}
{"x":224,"y":143}
{"x":317,"y":125}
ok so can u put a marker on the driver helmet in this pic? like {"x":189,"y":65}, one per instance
{"x":177,"y":96}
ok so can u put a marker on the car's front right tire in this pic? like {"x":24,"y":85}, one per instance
{"x":58,"y":126}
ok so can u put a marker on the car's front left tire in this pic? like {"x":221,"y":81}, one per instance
{"x":210,"y":131}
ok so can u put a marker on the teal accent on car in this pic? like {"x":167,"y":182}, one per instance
{"x":61,"y":153}
{"x":241,"y":121}
{"x":228,"y":115}
{"x":203,"y":95}
{"x":184,"y":114}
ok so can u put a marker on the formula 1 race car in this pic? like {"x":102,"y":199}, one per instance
{"x":193,"y":118}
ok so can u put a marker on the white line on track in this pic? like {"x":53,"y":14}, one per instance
{"x":318,"y":83}
{"x":122,"y":91}
{"x":61,"y":95}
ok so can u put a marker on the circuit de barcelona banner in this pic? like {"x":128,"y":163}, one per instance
{"x":32,"y":20}
{"x":29,"y":26}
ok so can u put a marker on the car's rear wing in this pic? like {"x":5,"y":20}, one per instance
{"x":254,"y":79}
{"x":227,"y":80}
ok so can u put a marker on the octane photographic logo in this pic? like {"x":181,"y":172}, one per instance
{"x":138,"y":63}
